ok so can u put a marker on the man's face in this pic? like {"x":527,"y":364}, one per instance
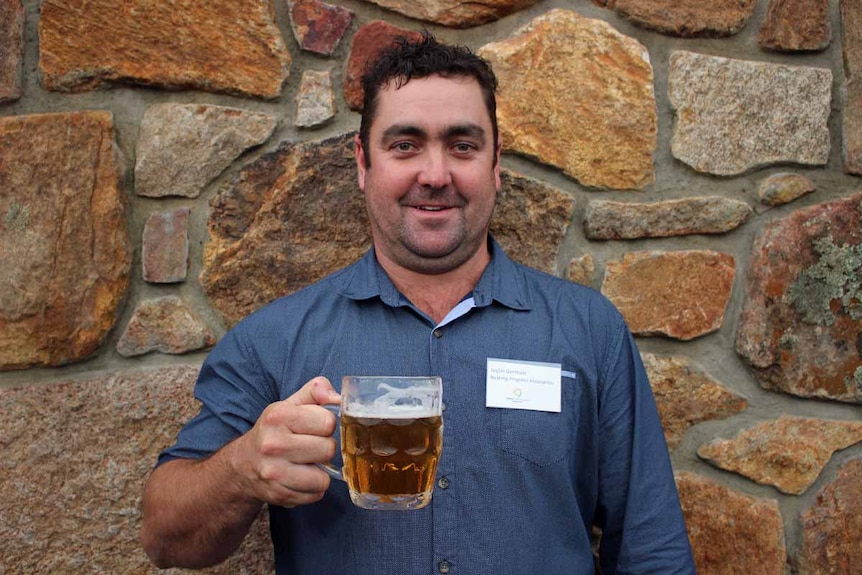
{"x":432,"y":183}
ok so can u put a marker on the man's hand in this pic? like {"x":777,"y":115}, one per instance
{"x":276,"y":458}
{"x":196,"y":513}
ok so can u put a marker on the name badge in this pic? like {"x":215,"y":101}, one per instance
{"x":516,"y":384}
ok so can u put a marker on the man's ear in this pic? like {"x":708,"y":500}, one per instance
{"x":359,"y":153}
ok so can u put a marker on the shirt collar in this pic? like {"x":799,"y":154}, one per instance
{"x":502,"y":281}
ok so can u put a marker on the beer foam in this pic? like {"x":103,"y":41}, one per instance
{"x":369,"y":412}
{"x":398,"y":403}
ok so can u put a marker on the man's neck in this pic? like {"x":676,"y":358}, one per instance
{"x":437,"y":294}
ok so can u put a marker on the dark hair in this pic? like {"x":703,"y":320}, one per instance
{"x":406,"y":59}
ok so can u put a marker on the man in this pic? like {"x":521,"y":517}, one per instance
{"x":518,"y":490}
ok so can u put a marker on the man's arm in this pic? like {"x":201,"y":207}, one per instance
{"x":196,"y":513}
{"x":643,"y":526}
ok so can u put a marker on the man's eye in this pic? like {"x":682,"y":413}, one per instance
{"x":463,"y":147}
{"x":403,"y":146}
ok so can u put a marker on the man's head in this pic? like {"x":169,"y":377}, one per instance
{"x":432,"y":185}
{"x":406,"y":60}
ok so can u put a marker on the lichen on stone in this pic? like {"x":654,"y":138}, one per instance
{"x":787,"y":341}
{"x":855,"y":382}
{"x":18,"y":217}
{"x":837,"y":275}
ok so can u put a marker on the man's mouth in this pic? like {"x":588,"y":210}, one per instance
{"x":432,"y":208}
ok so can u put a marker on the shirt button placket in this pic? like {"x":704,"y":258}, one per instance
{"x":445,"y":509}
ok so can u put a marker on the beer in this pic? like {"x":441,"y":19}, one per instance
{"x":391,"y":459}
{"x":391,"y":440}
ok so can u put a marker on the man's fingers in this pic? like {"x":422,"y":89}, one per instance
{"x":288,"y":438}
{"x":300,"y":448}
{"x":317,"y":391}
{"x":282,"y":419}
{"x":301,"y":412}
{"x":291,"y":485}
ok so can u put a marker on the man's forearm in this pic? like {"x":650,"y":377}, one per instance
{"x":194,"y":512}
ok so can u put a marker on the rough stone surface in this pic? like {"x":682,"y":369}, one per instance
{"x":831,"y":526}
{"x":851,"y":37}
{"x":801,"y":323}
{"x":64,"y":246}
{"x":11,"y":49}
{"x":788,"y":453}
{"x":783,"y":188}
{"x":851,"y":130}
{"x":796,"y":25}
{"x":456,"y":13}
{"x":606,"y":220}
{"x":318,"y":27}
{"x":686,"y":396}
{"x":734,"y":115}
{"x":315,"y":103}
{"x":368,"y":41}
{"x":166,"y":325}
{"x":165,"y":246}
{"x":296,"y":214}
{"x":682,"y":294}
{"x":851,"y":127}
{"x":731,"y":533}
{"x":582,"y":270}
{"x":74,"y":459}
{"x":87,"y":44}
{"x":577,"y":94}
{"x":183,"y":147}
{"x":288,"y":219}
{"x":530,"y":220}
{"x":686,"y":18}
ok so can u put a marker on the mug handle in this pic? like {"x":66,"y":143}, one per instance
{"x":333,"y":471}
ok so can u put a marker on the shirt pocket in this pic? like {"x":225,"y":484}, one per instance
{"x":540,"y":437}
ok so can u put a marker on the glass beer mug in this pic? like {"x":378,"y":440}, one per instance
{"x":391,"y":440}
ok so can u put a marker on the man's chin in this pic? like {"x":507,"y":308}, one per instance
{"x":437,"y":248}
{"x":437,"y":260}
{"x":433,"y":263}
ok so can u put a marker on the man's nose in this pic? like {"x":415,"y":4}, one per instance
{"x":435,"y":171}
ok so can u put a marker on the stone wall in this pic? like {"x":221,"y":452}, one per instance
{"x":166,"y":168}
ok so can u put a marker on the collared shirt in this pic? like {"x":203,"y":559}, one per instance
{"x":517,"y":491}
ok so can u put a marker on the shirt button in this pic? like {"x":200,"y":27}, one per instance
{"x":443,"y":567}
{"x":438,"y":333}
{"x":443,"y":483}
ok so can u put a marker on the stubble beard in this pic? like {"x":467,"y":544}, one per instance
{"x":448,"y":251}
{"x":441,"y":257}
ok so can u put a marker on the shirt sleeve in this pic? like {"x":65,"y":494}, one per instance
{"x":233,"y":390}
{"x":643,"y":530}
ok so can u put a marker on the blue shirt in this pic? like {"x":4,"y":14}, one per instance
{"x":517,"y":490}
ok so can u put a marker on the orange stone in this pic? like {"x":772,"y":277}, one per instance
{"x":788,"y":453}
{"x":731,"y":533}
{"x":368,"y":42}
{"x":678,"y":294}
{"x":64,"y":243}
{"x":686,"y":396}
{"x":686,"y":18}
{"x":231,"y":46}
{"x":11,"y":48}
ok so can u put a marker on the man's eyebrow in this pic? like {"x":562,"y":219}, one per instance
{"x":468,"y":130}
{"x":400,"y":130}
